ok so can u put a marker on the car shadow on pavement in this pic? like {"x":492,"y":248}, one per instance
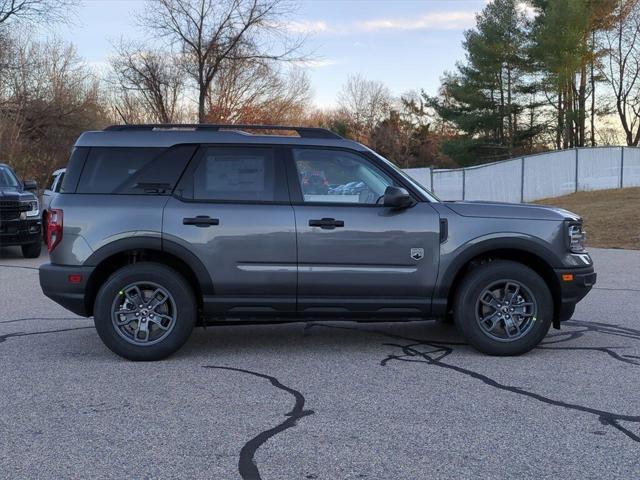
{"x":299,"y":337}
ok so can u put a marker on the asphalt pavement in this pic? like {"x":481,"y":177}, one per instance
{"x":324,"y":400}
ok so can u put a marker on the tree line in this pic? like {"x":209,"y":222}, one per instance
{"x":537,"y":75}
{"x":555,"y":74}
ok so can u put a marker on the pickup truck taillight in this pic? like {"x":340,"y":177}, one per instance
{"x":54,"y":228}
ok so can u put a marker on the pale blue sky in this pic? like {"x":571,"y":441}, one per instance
{"x":407,"y":44}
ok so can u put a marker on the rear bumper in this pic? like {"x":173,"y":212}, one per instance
{"x":20,"y":232}
{"x":573,"y":290}
{"x":55,"y":284}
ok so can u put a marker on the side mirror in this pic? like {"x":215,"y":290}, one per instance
{"x":397,"y":197}
{"x":30,"y":185}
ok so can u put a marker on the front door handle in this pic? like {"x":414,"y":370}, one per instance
{"x":326,"y":223}
{"x":200,"y":221}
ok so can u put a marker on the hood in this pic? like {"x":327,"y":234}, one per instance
{"x":13,"y":194}
{"x":525,"y":211}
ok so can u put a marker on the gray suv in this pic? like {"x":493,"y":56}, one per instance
{"x":159,"y":227}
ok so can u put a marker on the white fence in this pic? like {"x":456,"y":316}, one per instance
{"x":545,"y":175}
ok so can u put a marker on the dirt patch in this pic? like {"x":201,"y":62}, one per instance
{"x":611,"y":217}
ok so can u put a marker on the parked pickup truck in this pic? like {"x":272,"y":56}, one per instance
{"x":20,"y":222}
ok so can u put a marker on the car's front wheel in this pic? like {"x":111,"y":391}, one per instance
{"x":503,"y":308}
{"x":145,"y":311}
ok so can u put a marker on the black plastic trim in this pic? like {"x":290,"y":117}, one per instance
{"x":55,"y":285}
{"x":572,"y":292}
{"x":468,"y":252}
{"x":303,"y":132}
{"x":154,"y":243}
{"x":444,"y":230}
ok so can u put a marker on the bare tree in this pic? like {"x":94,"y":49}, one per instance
{"x":621,"y":67}
{"x":257,"y":92}
{"x":366,"y":103}
{"x":35,"y":11}
{"x":48,"y":98}
{"x":149,"y":81}
{"x":212,"y":33}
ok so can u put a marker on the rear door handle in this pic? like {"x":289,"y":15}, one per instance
{"x":201,"y":221}
{"x":326,"y":223}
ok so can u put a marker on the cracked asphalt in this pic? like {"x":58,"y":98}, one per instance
{"x":326,"y":400}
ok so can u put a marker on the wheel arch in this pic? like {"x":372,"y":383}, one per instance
{"x":525,"y":251}
{"x":115,"y":255}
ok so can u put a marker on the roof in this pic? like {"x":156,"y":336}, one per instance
{"x":168,"y":135}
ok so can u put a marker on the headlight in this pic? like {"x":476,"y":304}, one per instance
{"x":34,"y":209}
{"x":576,"y":237}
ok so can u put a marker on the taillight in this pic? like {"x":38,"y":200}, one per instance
{"x":54,"y":228}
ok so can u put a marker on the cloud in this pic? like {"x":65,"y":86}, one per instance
{"x":306,"y":26}
{"x":316,"y":63}
{"x":435,"y":21}
{"x":448,"y":20}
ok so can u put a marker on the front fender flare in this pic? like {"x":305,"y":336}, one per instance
{"x":481,"y":245}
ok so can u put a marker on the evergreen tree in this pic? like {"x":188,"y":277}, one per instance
{"x":486,"y":97}
{"x":564,"y":52}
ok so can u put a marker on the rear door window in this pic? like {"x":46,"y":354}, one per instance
{"x":236,"y":174}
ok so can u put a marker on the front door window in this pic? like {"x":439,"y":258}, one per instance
{"x":337,"y":176}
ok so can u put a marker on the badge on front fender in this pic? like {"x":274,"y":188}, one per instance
{"x":417,"y":253}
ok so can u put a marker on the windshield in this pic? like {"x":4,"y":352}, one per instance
{"x":405,"y":176}
{"x":8,"y":178}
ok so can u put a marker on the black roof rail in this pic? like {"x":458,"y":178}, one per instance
{"x":304,"y":132}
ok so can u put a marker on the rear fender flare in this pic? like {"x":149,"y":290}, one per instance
{"x":157,"y":244}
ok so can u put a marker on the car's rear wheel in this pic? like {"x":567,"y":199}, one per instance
{"x":145,"y":311}
{"x":32,"y":250}
{"x":503,"y":308}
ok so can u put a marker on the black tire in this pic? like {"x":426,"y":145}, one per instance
{"x":162,"y":276}
{"x":467,"y":303}
{"x":32,"y":250}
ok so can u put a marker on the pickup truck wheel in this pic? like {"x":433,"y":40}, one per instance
{"x":503,"y":308}
{"x":145,"y":311}
{"x":45,"y":221}
{"x":32,"y":250}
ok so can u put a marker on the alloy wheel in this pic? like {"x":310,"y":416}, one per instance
{"x":506,"y":310}
{"x":143,"y":313}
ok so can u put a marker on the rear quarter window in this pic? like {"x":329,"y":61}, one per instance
{"x":74,"y":169}
{"x":133,"y":171}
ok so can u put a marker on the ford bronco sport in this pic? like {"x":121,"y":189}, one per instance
{"x":158,"y":227}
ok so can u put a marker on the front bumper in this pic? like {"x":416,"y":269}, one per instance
{"x":20,"y":232}
{"x":55,"y":283}
{"x":575,"y":284}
